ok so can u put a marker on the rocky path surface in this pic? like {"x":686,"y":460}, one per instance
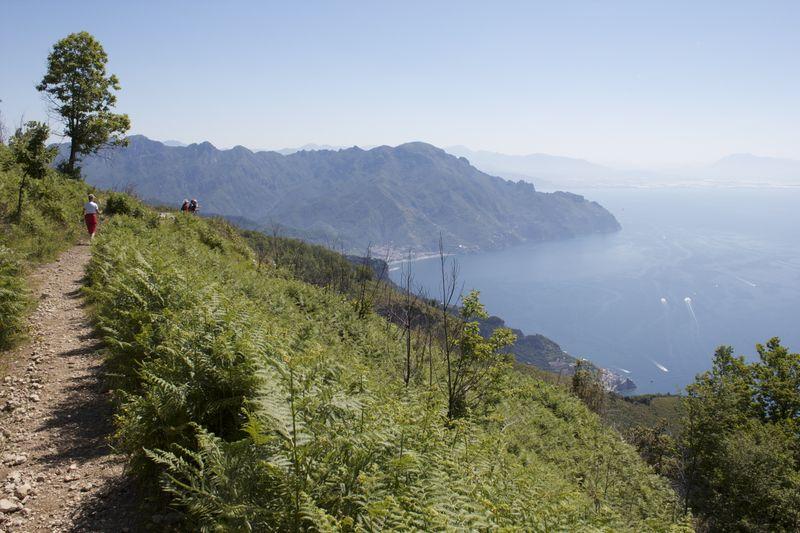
{"x":57,"y":470}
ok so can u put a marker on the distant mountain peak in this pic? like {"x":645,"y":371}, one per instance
{"x":310,"y":147}
{"x":205,"y":146}
{"x":744,"y":166}
{"x":421,"y":147}
{"x":174,"y":143}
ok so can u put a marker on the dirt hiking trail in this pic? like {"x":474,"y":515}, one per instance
{"x":57,"y":470}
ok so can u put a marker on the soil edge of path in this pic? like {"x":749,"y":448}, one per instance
{"x":57,"y":470}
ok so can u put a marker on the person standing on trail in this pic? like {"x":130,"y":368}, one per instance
{"x":185,"y":206}
{"x":91,"y":212}
{"x":194,"y":206}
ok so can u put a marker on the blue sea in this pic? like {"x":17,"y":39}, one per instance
{"x":692,"y":269}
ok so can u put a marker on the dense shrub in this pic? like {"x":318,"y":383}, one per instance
{"x":268,"y":404}
{"x":741,"y":441}
{"x":123,"y":204}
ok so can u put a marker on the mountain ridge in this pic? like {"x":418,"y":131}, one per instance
{"x":399,"y":197}
{"x":553,"y":172}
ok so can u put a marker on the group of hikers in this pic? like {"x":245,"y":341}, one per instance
{"x":190,"y":207}
{"x":91,"y":213}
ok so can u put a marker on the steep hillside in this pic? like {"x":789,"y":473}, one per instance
{"x":648,"y":410}
{"x":265,"y":403}
{"x":401,"y":197}
{"x":323,"y":267}
{"x":262,"y":402}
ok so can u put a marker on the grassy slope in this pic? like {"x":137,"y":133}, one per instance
{"x":313,"y":426}
{"x":645,"y":410}
{"x":321,"y":266}
{"x":624,"y":413}
{"x":51,"y":222}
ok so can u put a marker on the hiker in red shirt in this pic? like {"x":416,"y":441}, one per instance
{"x":91,"y":212}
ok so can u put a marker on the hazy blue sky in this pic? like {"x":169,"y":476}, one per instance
{"x":640,"y":83}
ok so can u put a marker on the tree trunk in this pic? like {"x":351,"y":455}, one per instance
{"x":430,"y":359}
{"x":73,"y":158}
{"x":22,"y":183}
{"x":408,"y":351}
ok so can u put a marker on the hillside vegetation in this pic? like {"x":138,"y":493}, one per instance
{"x":646,"y":410}
{"x":366,"y":279}
{"x":49,"y":222}
{"x":402,"y":197}
{"x":733,"y":453}
{"x":264,"y":402}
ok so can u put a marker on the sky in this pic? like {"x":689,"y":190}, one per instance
{"x":643,"y":83}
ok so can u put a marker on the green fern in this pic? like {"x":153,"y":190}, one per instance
{"x":262,"y":403}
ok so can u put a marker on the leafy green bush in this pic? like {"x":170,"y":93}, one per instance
{"x":741,"y":451}
{"x":268,"y":404}
{"x":123,"y":204}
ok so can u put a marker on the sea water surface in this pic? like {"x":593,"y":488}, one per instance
{"x":692,"y":269}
